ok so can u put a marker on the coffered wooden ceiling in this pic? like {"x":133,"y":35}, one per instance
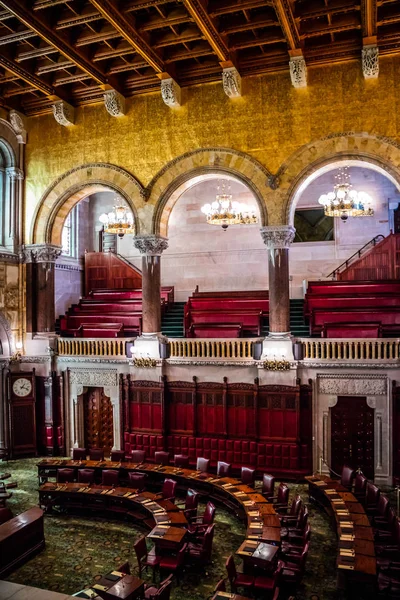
{"x":74,"y":50}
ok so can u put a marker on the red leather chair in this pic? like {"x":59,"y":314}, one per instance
{"x":347,"y":477}
{"x":382,"y":510}
{"x":96,"y":454}
{"x":268,"y":486}
{"x":145,"y":559}
{"x":291,"y":517}
{"x":389,"y":547}
{"x":236,"y":579}
{"x":200,"y":524}
{"x":268,"y":585}
{"x":162,"y":592}
{"x":360,"y":487}
{"x":110,"y":477}
{"x":293,"y":572}
{"x":384,"y":527}
{"x":296,"y":544}
{"x":5,"y":514}
{"x":191,"y":504}
{"x":281,"y":500}
{"x":168,"y":490}
{"x":181,"y":461}
{"x":161,"y":458}
{"x":203,"y":464}
{"x":118,"y":456}
{"x":248,"y":476}
{"x":223,"y":469}
{"x":85,"y":475}
{"x":298,"y":528}
{"x":65,"y":475}
{"x":202,"y":552}
{"x":124,"y":568}
{"x":137,"y":480}
{"x":174,"y":563}
{"x":79,"y":454}
{"x":138,"y":456}
{"x":220,"y":587}
{"x":372,"y":498}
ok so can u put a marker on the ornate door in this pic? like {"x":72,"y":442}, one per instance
{"x":98,"y":418}
{"x":352,"y":435}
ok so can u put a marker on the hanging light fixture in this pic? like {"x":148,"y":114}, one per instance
{"x":344,"y":201}
{"x":223,"y":212}
{"x":119,"y":221}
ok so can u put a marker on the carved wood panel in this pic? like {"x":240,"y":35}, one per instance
{"x":98,"y":419}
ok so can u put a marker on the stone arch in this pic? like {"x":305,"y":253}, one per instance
{"x":379,"y":153}
{"x":177,"y":176}
{"x":6,"y":337}
{"x":9,"y":141}
{"x":76,"y":184}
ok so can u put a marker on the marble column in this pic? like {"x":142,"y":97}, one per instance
{"x":278,"y":239}
{"x":151,"y":247}
{"x":40,"y":259}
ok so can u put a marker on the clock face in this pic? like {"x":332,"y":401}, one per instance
{"x":22,"y":387}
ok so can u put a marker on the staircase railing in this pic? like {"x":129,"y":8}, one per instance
{"x":372,"y":243}
{"x":127,"y":262}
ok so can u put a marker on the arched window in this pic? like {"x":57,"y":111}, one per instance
{"x":9,"y":176}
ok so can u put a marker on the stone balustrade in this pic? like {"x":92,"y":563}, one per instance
{"x":331,"y":349}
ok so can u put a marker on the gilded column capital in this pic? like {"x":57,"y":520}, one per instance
{"x":150,"y":245}
{"x":40,"y":253}
{"x":277,"y":236}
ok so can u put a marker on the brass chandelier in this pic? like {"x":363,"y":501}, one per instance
{"x":119,"y":221}
{"x":344,"y":201}
{"x":223,"y":212}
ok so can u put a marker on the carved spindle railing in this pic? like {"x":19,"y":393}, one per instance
{"x":91,"y":347}
{"x":212,"y":348}
{"x":351,"y":349}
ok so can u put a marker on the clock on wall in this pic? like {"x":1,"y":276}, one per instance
{"x":22,"y":408}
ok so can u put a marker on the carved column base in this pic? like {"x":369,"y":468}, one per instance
{"x":148,"y":345}
{"x":278,"y":346}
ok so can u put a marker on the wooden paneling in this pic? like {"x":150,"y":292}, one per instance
{"x":381,"y":262}
{"x":107,"y":271}
{"x":146,"y":406}
{"x":396,"y":432}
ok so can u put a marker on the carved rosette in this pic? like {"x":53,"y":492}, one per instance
{"x":152,"y":245}
{"x":114,"y":103}
{"x":170,"y":92}
{"x":370,"y":62}
{"x":17,"y":122}
{"x":298,"y":72}
{"x":277,"y":236}
{"x":40,"y":253}
{"x":15,"y":174}
{"x":63,"y":113}
{"x":232,"y":82}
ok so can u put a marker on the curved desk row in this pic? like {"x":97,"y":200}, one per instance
{"x":263,"y":524}
{"x":356,"y":562}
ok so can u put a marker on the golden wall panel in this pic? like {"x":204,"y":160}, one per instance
{"x":270,"y":122}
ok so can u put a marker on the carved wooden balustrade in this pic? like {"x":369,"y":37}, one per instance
{"x":91,"y":347}
{"x":212,"y":348}
{"x":351,"y":349}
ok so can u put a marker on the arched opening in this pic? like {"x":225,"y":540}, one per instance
{"x":204,"y":255}
{"x":322,"y":243}
{"x":7,"y":197}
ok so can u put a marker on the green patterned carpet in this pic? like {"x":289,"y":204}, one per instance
{"x":80,"y":549}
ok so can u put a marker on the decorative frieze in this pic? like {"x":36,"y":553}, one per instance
{"x":63,"y":113}
{"x":152,"y":245}
{"x":277,"y":236}
{"x":170,"y":92}
{"x":298,"y":71}
{"x":370,"y":62}
{"x":114,"y":103}
{"x":93,"y":377}
{"x":352,"y":385}
{"x":232,"y":82}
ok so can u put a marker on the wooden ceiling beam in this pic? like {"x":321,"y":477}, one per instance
{"x":228,"y":7}
{"x":265,"y":40}
{"x":87,"y":16}
{"x":288,"y":24}
{"x":191,"y":34}
{"x":30,"y":78}
{"x":51,"y":37}
{"x":208,"y":27}
{"x":124,"y":25}
{"x":59,"y":66}
{"x":40,"y":4}
{"x":141,"y":4}
{"x":17,"y":36}
{"x":94,"y":37}
{"x":336,"y":6}
{"x":250,"y":25}
{"x":176,"y":17}
{"x":35,"y":53}
{"x":369,"y":14}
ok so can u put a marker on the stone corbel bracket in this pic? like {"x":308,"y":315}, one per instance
{"x":370,"y":62}
{"x":63,"y":113}
{"x":298,"y":71}
{"x":114,"y":103}
{"x":171,"y":92}
{"x":232,"y":82}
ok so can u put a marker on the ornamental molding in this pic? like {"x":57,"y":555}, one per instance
{"x":232,"y":82}
{"x":15,"y":174}
{"x":277,"y":236}
{"x":40,"y":253}
{"x":370,"y":62}
{"x":171,"y":92}
{"x":94,"y":377}
{"x":377,"y":365}
{"x":298,"y":71}
{"x":63,"y":113}
{"x":36,"y":359}
{"x":114,"y":103}
{"x":150,"y":245}
{"x":8,"y":257}
{"x":211,"y":363}
{"x":89,"y":359}
{"x":18,"y":124}
{"x":352,"y":385}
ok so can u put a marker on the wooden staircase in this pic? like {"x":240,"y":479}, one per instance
{"x":380,"y":262}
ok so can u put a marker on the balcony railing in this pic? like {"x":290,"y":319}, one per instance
{"x":91,"y":347}
{"x":240,"y":348}
{"x":350,"y":349}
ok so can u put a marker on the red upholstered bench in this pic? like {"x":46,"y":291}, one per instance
{"x":143,"y":441}
{"x":325,"y":303}
{"x":104,"y":307}
{"x":232,"y":294}
{"x":331,"y":288}
{"x":227,"y":304}
{"x":101,"y":330}
{"x":351,"y":330}
{"x":212,"y":330}
{"x":388,"y":317}
{"x":250,"y":320}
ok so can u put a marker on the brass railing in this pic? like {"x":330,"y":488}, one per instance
{"x":351,"y":349}
{"x":91,"y":347}
{"x":212,"y":348}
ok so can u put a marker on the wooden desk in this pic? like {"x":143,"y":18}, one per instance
{"x":20,"y":538}
{"x":258,"y":555}
{"x":167,"y":537}
{"x":128,"y":587}
{"x":228,"y":596}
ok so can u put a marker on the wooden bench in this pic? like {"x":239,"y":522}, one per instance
{"x":227,"y":304}
{"x":220,"y":330}
{"x":357,"y":301}
{"x":132,"y":322}
{"x":102,"y":330}
{"x":20,"y":538}
{"x":251,"y":294}
{"x":353,"y":287}
{"x":388,"y":317}
{"x":250,"y":320}
{"x":167,"y":294}
{"x":104,"y":307}
{"x":351,"y":330}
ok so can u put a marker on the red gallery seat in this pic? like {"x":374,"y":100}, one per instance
{"x":182,"y":461}
{"x":96,"y":453}
{"x":161,"y":458}
{"x":65,"y":475}
{"x":236,"y":579}
{"x":85,"y":475}
{"x":79,"y":454}
{"x":138,"y":456}
{"x":145,"y":559}
{"x":110,"y":477}
{"x":347,"y":477}
{"x":137,"y":480}
{"x":117,"y":456}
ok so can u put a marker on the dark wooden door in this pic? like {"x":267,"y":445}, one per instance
{"x":98,"y":418}
{"x":352,"y":435}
